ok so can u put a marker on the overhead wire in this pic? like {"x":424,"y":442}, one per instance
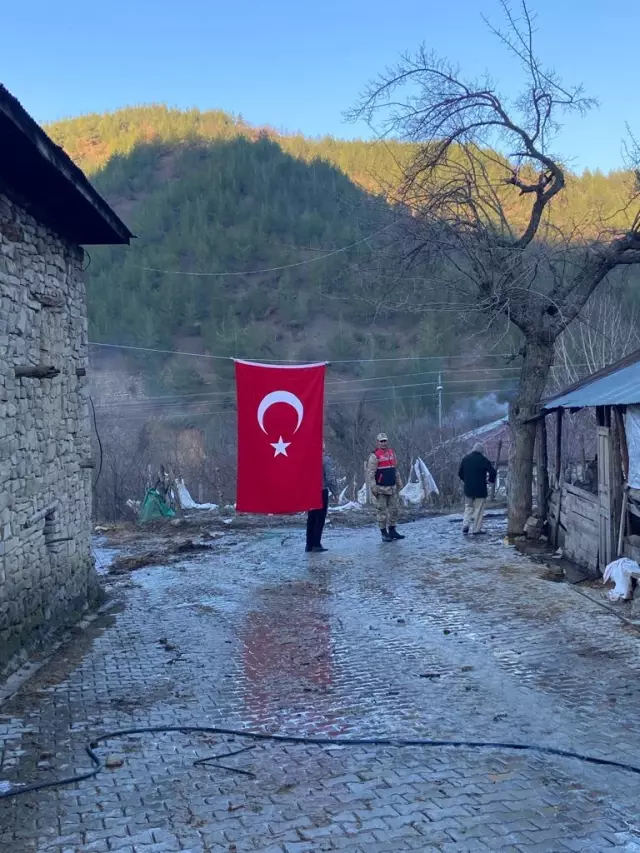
{"x":333,"y":393}
{"x":220,"y":397}
{"x":203,"y":397}
{"x":338,"y":384}
{"x":305,"y":262}
{"x":293,"y":360}
{"x":231,"y":409}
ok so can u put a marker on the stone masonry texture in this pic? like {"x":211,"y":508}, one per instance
{"x":437,"y":636}
{"x":46,"y":569}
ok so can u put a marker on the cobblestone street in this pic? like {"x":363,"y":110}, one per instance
{"x":437,"y":636}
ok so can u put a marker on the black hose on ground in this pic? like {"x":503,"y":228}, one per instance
{"x":310,"y":741}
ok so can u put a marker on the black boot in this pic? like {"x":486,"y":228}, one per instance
{"x":385,"y":535}
{"x":393,"y":534}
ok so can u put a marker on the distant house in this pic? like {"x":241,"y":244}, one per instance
{"x":597,"y":524}
{"x":48,"y":210}
{"x":493,"y":436}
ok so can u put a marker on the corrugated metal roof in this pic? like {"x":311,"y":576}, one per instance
{"x":615,"y":385}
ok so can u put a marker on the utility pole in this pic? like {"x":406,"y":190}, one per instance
{"x":439,"y":390}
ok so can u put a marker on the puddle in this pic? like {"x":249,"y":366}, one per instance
{"x":104,"y":555}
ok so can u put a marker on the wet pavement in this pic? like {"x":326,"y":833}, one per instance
{"x":437,"y":636}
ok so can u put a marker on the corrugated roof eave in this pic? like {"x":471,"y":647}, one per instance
{"x":617,"y":388}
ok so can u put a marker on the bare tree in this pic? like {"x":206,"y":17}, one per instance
{"x":352,"y":429}
{"x":489,"y":216}
{"x":607,"y":329}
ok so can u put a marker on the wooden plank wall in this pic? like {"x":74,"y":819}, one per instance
{"x":631,"y":548}
{"x":579,"y":524}
{"x":556,"y":538}
{"x":606,"y":526}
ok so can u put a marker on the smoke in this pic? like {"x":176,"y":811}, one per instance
{"x":478,"y":409}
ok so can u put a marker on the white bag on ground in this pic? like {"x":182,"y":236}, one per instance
{"x":187,"y":502}
{"x":350,"y":505}
{"x":412,"y":493}
{"x":620,"y":572}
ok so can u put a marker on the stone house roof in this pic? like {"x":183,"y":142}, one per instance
{"x":38,"y":175}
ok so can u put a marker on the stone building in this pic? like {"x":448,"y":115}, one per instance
{"x":48,"y":210}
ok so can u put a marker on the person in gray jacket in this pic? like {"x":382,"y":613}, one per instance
{"x":316,"y":517}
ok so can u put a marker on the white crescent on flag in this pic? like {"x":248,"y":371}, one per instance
{"x":280,"y":397}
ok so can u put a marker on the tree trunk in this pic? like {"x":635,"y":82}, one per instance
{"x":538,"y":358}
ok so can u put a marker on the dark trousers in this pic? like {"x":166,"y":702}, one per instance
{"x":315,"y":521}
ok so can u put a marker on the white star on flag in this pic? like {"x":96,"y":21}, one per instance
{"x":280,"y":447}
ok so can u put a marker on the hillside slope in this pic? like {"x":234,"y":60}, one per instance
{"x":207,"y":193}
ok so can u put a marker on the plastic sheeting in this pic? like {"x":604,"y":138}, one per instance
{"x":154,"y":507}
{"x":350,"y":505}
{"x":186,"y":501}
{"x":412,"y":493}
{"x":428,"y":479}
{"x":632,"y":428}
{"x":417,"y":492}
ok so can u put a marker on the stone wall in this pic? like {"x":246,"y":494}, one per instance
{"x":47,"y":576}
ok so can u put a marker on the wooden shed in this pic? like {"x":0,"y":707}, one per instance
{"x":594,"y":527}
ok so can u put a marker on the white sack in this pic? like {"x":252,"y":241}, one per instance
{"x":187,"y":502}
{"x":620,"y":572}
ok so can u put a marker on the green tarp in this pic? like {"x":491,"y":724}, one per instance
{"x":154,"y":507}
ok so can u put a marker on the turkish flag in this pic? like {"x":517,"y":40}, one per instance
{"x":280,"y":426}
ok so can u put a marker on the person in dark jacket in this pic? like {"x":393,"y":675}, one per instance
{"x":474,"y":470}
{"x":317,"y":517}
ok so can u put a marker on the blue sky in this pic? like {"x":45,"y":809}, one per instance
{"x":298,"y":64}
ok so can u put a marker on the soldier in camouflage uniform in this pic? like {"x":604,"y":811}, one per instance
{"x":385,"y":482}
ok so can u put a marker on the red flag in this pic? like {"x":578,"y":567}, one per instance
{"x":280,"y":425}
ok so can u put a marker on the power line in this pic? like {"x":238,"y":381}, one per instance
{"x":224,"y":396}
{"x":220,"y":397}
{"x":232,"y":410}
{"x":271,"y":269}
{"x":296,"y":361}
{"x":337,"y":384}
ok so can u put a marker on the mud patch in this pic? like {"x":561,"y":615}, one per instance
{"x":553,"y":576}
{"x":171,"y":554}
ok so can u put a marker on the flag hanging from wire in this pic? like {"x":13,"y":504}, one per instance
{"x":280,"y":428}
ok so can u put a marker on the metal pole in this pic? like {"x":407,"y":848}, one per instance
{"x":439,"y":390}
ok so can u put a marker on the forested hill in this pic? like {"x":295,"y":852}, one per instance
{"x":207,"y":193}
{"x":94,"y":140}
